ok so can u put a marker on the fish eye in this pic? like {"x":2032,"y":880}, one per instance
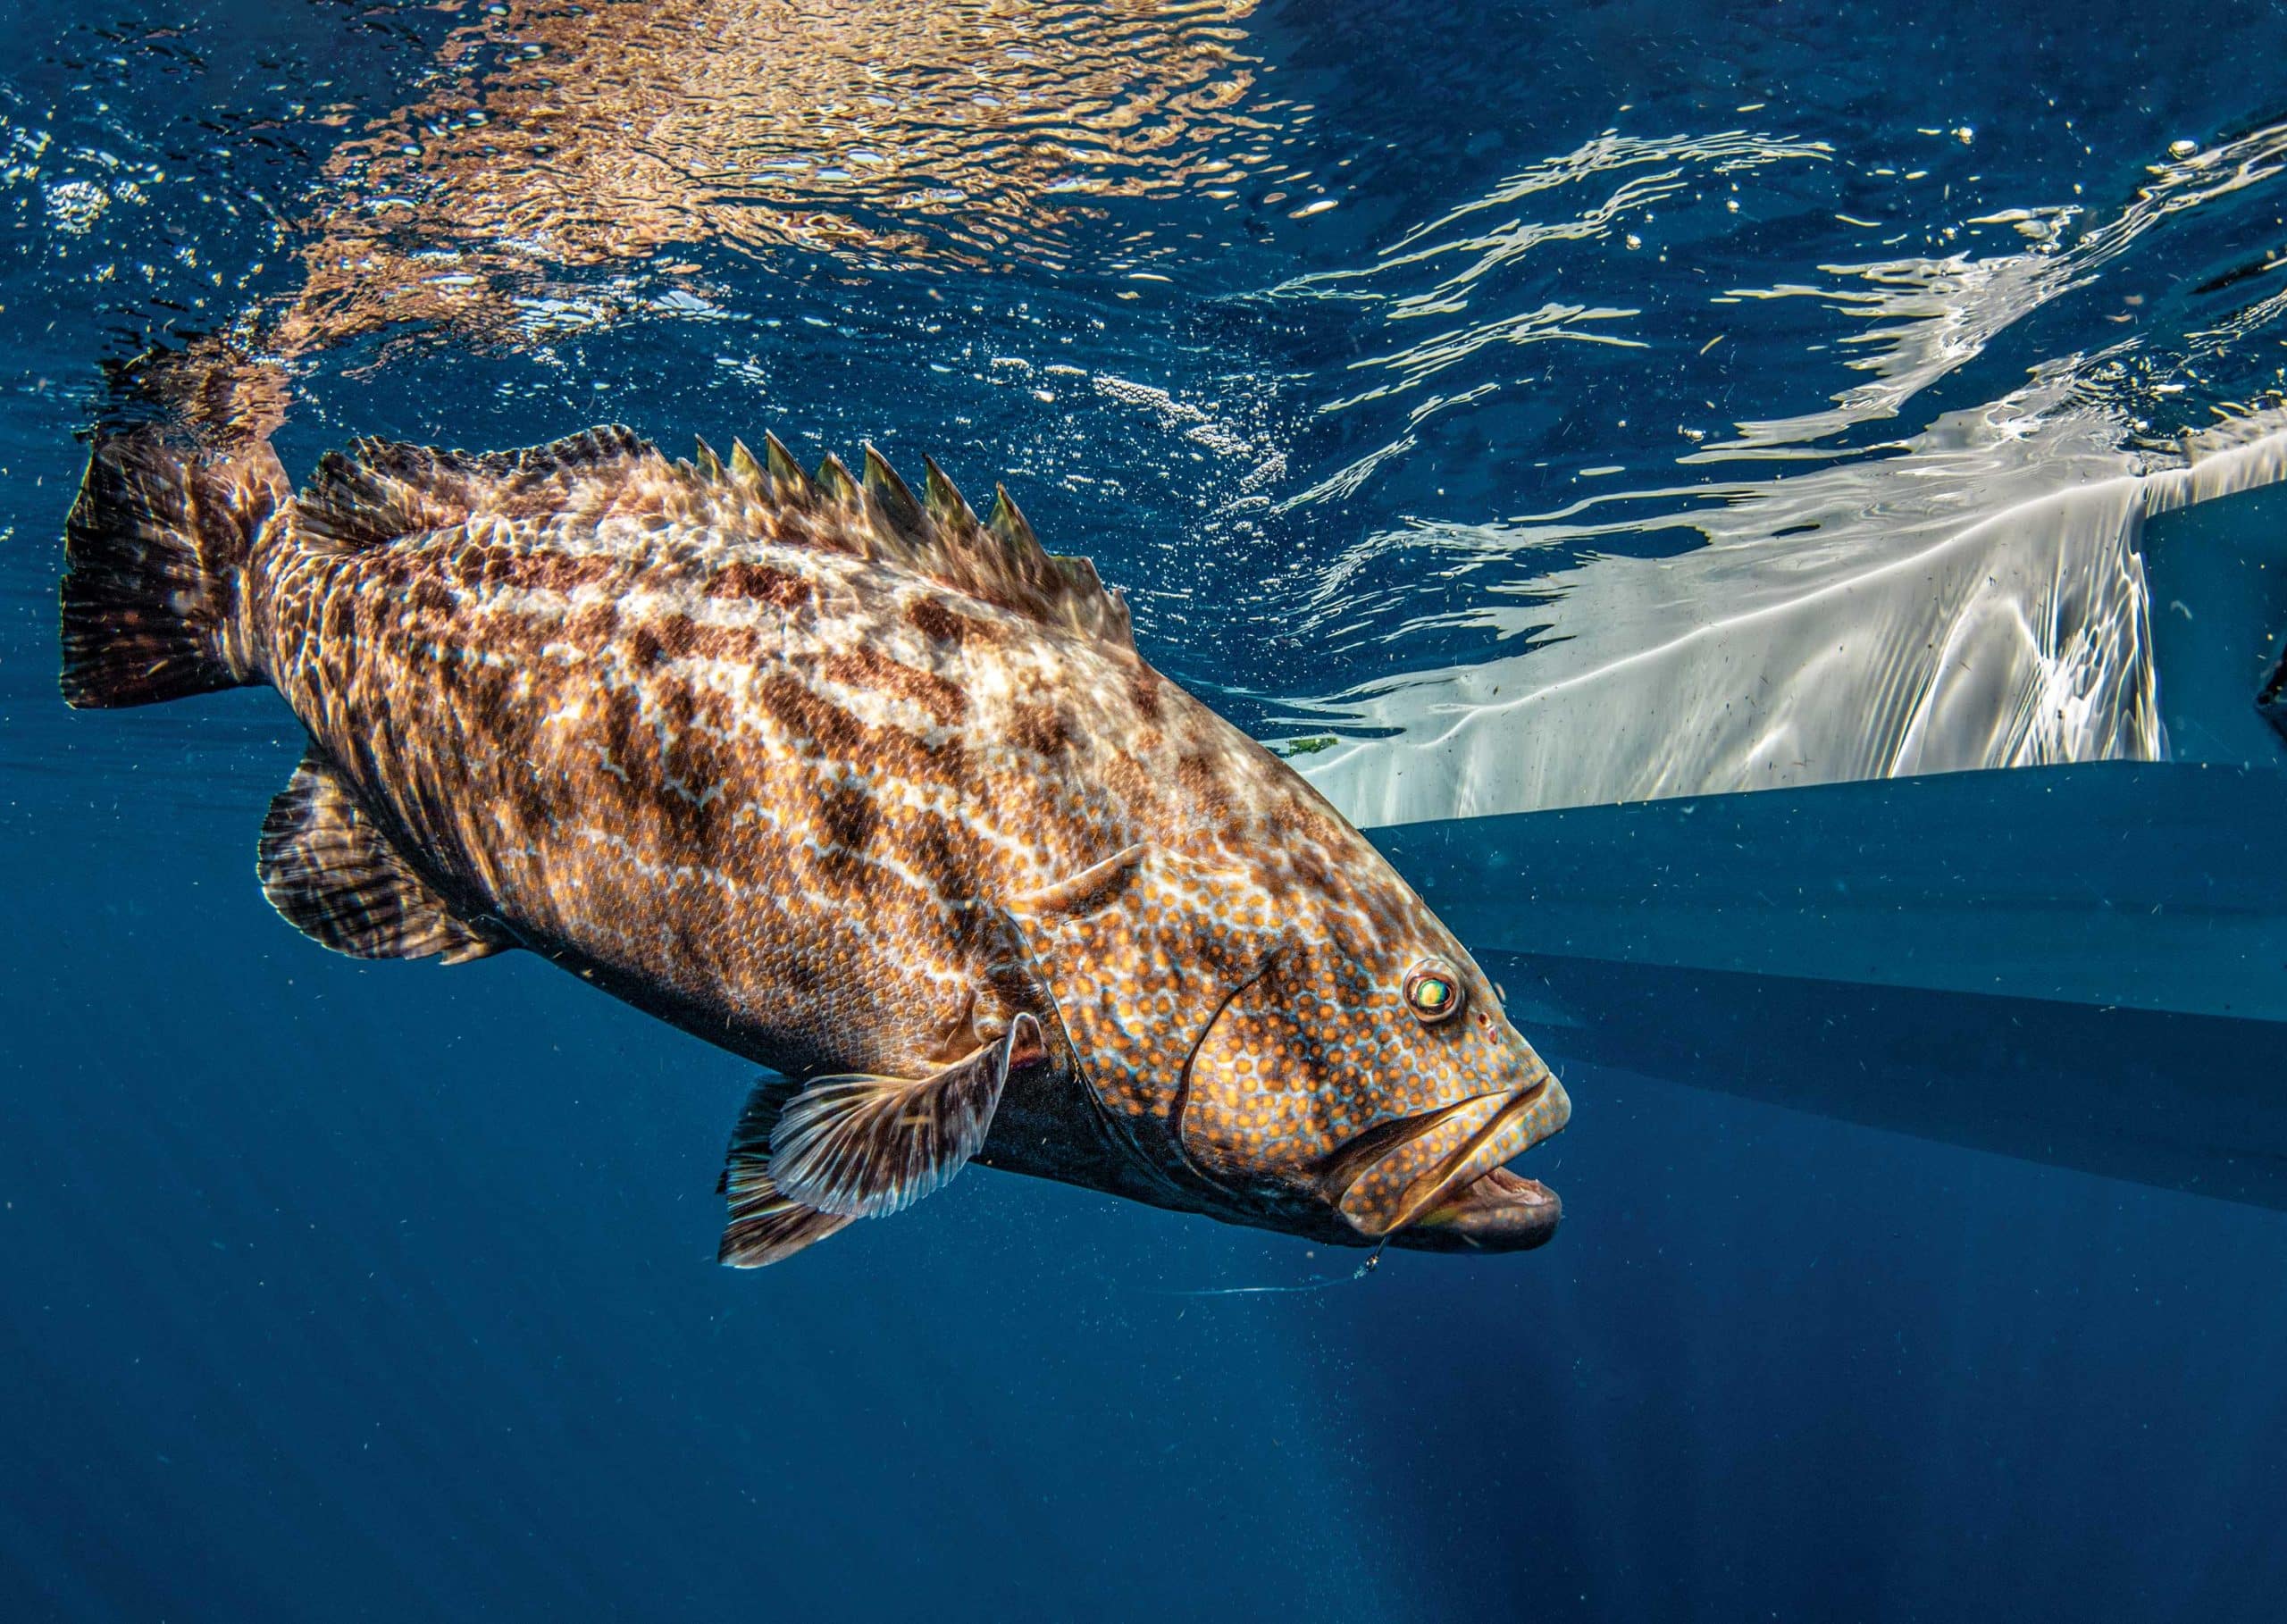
{"x":1432,"y":992}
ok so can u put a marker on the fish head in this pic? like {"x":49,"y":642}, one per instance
{"x":1322,"y":1058}
{"x":1380,"y":1078}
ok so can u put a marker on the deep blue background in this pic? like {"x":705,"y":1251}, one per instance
{"x":341,"y":1291}
{"x":331,"y":1289}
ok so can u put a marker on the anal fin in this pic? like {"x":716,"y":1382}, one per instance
{"x":766,"y":1224}
{"x":862,"y":1146}
{"x":329,"y":867}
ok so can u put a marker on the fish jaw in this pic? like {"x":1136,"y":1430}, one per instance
{"x":1444,"y":1187}
{"x":1496,"y":1211}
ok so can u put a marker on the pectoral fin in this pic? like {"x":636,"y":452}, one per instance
{"x":861,"y":1146}
{"x":765,"y":1223}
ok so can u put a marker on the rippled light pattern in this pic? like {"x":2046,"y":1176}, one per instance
{"x":901,"y":135}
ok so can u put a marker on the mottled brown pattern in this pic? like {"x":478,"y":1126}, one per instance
{"x":759,"y":584}
{"x":776,"y":765}
{"x":935,"y":620}
{"x":1038,"y":728}
{"x":1144,"y":692}
{"x":867,"y":667}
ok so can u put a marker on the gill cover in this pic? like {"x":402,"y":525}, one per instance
{"x":1292,"y":1067}
{"x":1141,"y":952}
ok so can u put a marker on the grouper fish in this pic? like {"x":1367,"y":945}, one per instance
{"x":847,"y":780}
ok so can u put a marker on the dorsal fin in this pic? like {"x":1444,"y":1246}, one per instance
{"x":834,"y":483}
{"x":892,"y":496}
{"x":1000,"y":561}
{"x":793,"y":485}
{"x":1008,"y":524}
{"x":942,"y":498}
{"x":376,"y":491}
{"x":381,"y":489}
{"x":745,"y":472}
{"x":329,"y":867}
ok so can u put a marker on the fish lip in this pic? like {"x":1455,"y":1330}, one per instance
{"x":1452,"y":1207}
{"x":1496,"y":1211}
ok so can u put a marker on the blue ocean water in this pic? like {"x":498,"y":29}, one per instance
{"x":1926,"y":1192}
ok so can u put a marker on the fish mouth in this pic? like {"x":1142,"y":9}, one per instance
{"x":1495,"y":1212}
{"x":1436,"y":1182}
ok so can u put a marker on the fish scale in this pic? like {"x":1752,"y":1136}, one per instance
{"x":845,"y":780}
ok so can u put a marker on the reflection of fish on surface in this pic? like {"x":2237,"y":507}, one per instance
{"x":968,"y":136}
{"x":846,"y":781}
{"x":891,"y":133}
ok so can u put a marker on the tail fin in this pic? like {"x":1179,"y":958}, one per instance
{"x":156,"y":544}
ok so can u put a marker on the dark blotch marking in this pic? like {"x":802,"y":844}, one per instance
{"x":564,"y":572}
{"x":794,"y":706}
{"x":947,"y":855}
{"x":1130,"y":785}
{"x":870,"y":668}
{"x":633,"y":746}
{"x":1144,"y":691}
{"x":1039,"y":728}
{"x":653,"y":643}
{"x":760,"y":583}
{"x":1204,"y":786}
{"x":941,"y":625}
{"x":1309,"y":870}
{"x":849,"y":817}
{"x":592,"y":626}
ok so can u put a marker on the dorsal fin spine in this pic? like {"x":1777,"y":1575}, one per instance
{"x":381,"y":491}
{"x":786,"y":473}
{"x":892,"y":496}
{"x":1007,"y":522}
{"x":944,"y":500}
{"x":833,"y":479}
{"x":745,"y":472}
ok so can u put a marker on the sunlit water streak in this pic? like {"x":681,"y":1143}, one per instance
{"x":1971,"y":594}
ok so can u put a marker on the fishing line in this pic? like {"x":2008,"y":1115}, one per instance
{"x":1372,"y":1262}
